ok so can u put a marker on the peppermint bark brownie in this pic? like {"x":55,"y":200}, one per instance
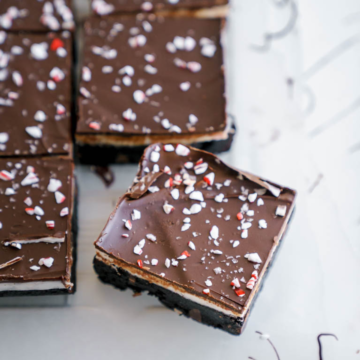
{"x":37,"y":237}
{"x":36,"y":15}
{"x":105,"y":7}
{"x":196,"y":233}
{"x":149,"y":78}
{"x":35,"y":94}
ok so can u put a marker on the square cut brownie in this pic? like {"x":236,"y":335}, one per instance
{"x":36,"y":15}
{"x":37,"y":236}
{"x":35,"y":94}
{"x":149,"y":78}
{"x":105,"y":7}
{"x":196,"y":233}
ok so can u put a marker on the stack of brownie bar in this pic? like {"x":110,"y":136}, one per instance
{"x":152,"y":71}
{"x":37,"y":188}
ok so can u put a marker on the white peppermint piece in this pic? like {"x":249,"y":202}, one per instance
{"x":195,"y":209}
{"x":175,"y":193}
{"x":35,"y":268}
{"x":194,"y":66}
{"x":116,"y":127}
{"x":185,"y":227}
{"x":39,"y":211}
{"x":219,"y":198}
{"x":236,"y":243}
{"x":252,"y":197}
{"x":189,"y":165}
{"x":150,"y":69}
{"x":196,"y":195}
{"x":155,"y":156}
{"x":127,"y":70}
{"x":169,"y":148}
{"x":137,"y":250}
{"x":135,"y":215}
{"x":185,"y":86}
{"x":260,"y":202}
{"x":179,"y":42}
{"x":39,"y":51}
{"x":208,"y":50}
{"x":167,"y":263}
{"x":34,"y":131}
{"x":142,"y":243}
{"x":253,"y":257}
{"x":189,"y":43}
{"x":250,"y":213}
{"x":48,"y":262}
{"x":139,"y":96}
{"x":168,"y":208}
{"x":262,"y":224}
{"x":191,"y":245}
{"x":30,"y":179}
{"x":9,"y":191}
{"x":201,"y":168}
{"x":40,"y":116}
{"x":64,"y":212}
{"x":280,"y":210}
{"x":214,"y":232}
{"x":151,"y":237}
{"x":4,"y":137}
{"x":244,"y":234}
{"x":171,"y":48}
{"x":193,"y":119}
{"x":129,"y":115}
{"x":154,"y":262}
{"x":217,"y":270}
{"x":54,"y":185}
{"x":182,"y":150}
{"x":208,"y":282}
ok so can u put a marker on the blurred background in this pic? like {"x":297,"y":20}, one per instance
{"x":293,"y":70}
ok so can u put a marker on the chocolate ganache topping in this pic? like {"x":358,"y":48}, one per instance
{"x":199,"y":223}
{"x":35,"y":94}
{"x":152,"y":75}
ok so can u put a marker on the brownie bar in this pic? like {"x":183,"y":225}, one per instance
{"x":198,"y":229}
{"x":37,"y":226}
{"x":149,"y":78}
{"x":35,"y":15}
{"x":35,"y":94}
{"x":105,"y":7}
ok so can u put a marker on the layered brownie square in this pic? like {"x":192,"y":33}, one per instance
{"x":105,"y":7}
{"x":36,"y":15}
{"x":37,"y":236}
{"x":196,"y":233}
{"x":149,"y":78}
{"x":35,"y":94}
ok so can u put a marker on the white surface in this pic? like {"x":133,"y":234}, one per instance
{"x":313,"y":285}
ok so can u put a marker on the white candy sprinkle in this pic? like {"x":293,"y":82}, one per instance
{"x":151,"y":237}
{"x":48,"y":262}
{"x":135,"y":215}
{"x":217,"y":270}
{"x":182,"y":150}
{"x":262,"y":224}
{"x":175,"y":193}
{"x":280,"y":210}
{"x":252,"y":197}
{"x":236,"y":243}
{"x":196,"y":195}
{"x":214,"y":232}
{"x":155,"y":156}
{"x":254,"y":257}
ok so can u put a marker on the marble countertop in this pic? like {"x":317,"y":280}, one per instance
{"x":294,"y":90}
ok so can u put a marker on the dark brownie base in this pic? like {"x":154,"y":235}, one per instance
{"x":122,"y":280}
{"x":74,"y":231}
{"x":105,"y":154}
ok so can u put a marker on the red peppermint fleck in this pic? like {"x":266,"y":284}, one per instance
{"x":235,"y":283}
{"x":186,"y":253}
{"x":94,"y":125}
{"x":50,"y":224}
{"x":209,"y":178}
{"x":169,"y":183}
{"x":206,"y":291}
{"x":128,"y":224}
{"x":140,"y":263}
{"x":239,"y":292}
{"x":56,"y":43}
{"x":239,"y":216}
{"x":30,"y":211}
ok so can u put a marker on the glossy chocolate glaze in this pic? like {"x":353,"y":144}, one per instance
{"x":17,"y":224}
{"x":105,"y":107}
{"x":104,"y":7}
{"x":171,"y":241}
{"x":21,"y":102}
{"x":34,"y":15}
